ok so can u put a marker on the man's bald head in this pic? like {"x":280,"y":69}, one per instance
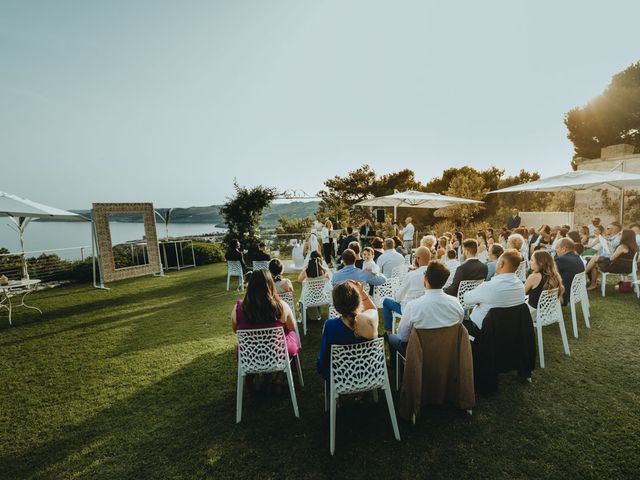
{"x":423,"y":256}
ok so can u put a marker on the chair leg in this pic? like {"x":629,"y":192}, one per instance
{"x":228,"y":281}
{"x":325,"y":395}
{"x":585,"y":313}
{"x":397,"y":372}
{"x":540,"y":345}
{"x":239,"y":395}
{"x":392,"y":411}
{"x":292,"y":391}
{"x":563,"y":334}
{"x":375,"y":395}
{"x":332,"y":420}
{"x":304,"y":319}
{"x":299,"y":367}
{"x":574,"y":320}
{"x":603,"y":281}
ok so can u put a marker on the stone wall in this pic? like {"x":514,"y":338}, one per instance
{"x":589,"y":203}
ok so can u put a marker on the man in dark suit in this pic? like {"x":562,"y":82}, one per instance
{"x":470,"y":269}
{"x":366,"y":233}
{"x":514,"y":220}
{"x":569,"y":264}
{"x":347,"y":240}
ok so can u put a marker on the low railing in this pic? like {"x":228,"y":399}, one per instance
{"x":53,"y":265}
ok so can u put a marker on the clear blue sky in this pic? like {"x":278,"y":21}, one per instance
{"x":168,"y":101}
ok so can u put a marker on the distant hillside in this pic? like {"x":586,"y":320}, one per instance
{"x":211,"y":214}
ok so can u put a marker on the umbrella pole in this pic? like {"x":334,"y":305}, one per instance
{"x":621,"y":206}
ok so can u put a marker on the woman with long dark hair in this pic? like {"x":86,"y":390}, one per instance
{"x":314,"y":269}
{"x":620,"y":261}
{"x":282,"y":284}
{"x":545,"y":276}
{"x":262,"y":308}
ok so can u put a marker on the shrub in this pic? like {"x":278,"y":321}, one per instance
{"x":205,"y":253}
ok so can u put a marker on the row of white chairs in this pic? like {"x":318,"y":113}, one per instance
{"x":234,"y":269}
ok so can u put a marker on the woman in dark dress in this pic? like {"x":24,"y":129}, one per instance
{"x":620,"y":261}
{"x":545,"y":276}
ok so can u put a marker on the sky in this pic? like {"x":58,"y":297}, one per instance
{"x":168,"y":102}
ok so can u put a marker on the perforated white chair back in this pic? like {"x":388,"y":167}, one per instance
{"x":234,"y":269}
{"x":261,"y":265}
{"x":467,"y":286}
{"x":359,"y":367}
{"x":287,"y":297}
{"x":407,"y":259}
{"x":262,"y":350}
{"x":578,"y":291}
{"x":314,"y":292}
{"x":549,"y":308}
{"x":333,"y":313}
{"x":387,"y":289}
{"x":521,"y":272}
{"x":400,"y":271}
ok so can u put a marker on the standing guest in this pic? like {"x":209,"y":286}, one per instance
{"x":262,"y":308}
{"x":452,"y":262}
{"x":368,"y":263}
{"x":234,"y":254}
{"x":620,"y":261}
{"x":282,"y":284}
{"x":347,"y":240}
{"x":350,"y":272}
{"x":569,"y":264}
{"x":434,"y":309}
{"x":367,"y":231}
{"x":399,"y":246}
{"x":470,"y":269}
{"x":494,"y":253}
{"x":326,"y":235}
{"x":314,"y":269}
{"x":545,"y":276}
{"x":262,"y":255}
{"x":407,"y":234}
{"x":412,"y":287}
{"x":377,"y":244}
{"x":504,"y":290}
{"x":592,"y":226}
{"x":358,"y":322}
{"x":390,"y":259}
{"x":514,"y":220}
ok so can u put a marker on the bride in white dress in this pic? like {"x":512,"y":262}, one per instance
{"x":310,"y":245}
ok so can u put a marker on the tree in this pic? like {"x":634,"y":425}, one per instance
{"x":470,"y":185}
{"x":242,"y":214}
{"x":609,"y":119}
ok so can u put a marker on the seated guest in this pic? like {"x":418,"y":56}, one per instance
{"x":376,"y":244}
{"x":282,"y":284}
{"x":262,"y":255}
{"x":434,"y":309}
{"x":636,"y":229}
{"x":533,"y":237}
{"x":481,"y":238}
{"x":412,"y":286}
{"x":344,"y":244}
{"x":560,"y":234}
{"x":355,"y":246}
{"x":515,"y":240}
{"x":569,"y":264}
{"x":399,"y":246}
{"x":429,"y":241}
{"x":390,"y":259}
{"x":452,"y":262}
{"x":350,"y":272}
{"x":494,"y":253}
{"x":261,"y":308}
{"x":573,"y":235}
{"x":504,"y":290}
{"x":234,"y":254}
{"x":470,"y":269}
{"x":358,"y":322}
{"x":367,"y":261}
{"x":620,"y":261}
{"x":545,"y":276}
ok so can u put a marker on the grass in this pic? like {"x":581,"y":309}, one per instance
{"x":139,"y":382}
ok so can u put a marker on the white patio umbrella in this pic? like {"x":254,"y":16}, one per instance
{"x":580,"y":180}
{"x":414,"y":199}
{"x":22,"y":210}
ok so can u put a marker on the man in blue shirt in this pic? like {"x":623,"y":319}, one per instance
{"x":350,"y":272}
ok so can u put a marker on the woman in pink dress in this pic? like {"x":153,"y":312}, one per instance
{"x":262,"y":308}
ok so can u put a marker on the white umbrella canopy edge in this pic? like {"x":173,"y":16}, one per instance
{"x":577,"y":180}
{"x":415,"y":199}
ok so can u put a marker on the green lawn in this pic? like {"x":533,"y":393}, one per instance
{"x":140,"y":381}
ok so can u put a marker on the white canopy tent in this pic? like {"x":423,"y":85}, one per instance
{"x":22,"y":210}
{"x":414,"y":199}
{"x":580,"y":180}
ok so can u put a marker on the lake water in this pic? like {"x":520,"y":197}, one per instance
{"x":47,"y":236}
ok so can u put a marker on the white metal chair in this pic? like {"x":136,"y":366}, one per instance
{"x":622,"y":276}
{"x":358,"y":368}
{"x":260,"y":265}
{"x":407,"y":259}
{"x":333,"y":313}
{"x":287,"y":297}
{"x":400,"y":272}
{"x":521,"y":272}
{"x":387,"y":289}
{"x":234,"y":269}
{"x":264,"y":350}
{"x":464,"y":287}
{"x":549,"y":311}
{"x":578,"y":294}
{"x":314,"y":294}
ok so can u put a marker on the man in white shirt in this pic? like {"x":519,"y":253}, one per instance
{"x":505,"y":289}
{"x":407,"y":234}
{"x":434,"y":309}
{"x":390,"y":259}
{"x":412,"y":287}
{"x":592,"y":227}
